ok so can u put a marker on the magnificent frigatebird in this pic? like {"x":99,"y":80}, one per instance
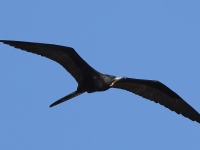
{"x":89,"y":80}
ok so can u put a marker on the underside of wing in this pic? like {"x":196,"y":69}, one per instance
{"x":159,"y":93}
{"x":65,"y":56}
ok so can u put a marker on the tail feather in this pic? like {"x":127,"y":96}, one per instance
{"x":67,"y":97}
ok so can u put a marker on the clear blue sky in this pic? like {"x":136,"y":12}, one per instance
{"x":141,"y":39}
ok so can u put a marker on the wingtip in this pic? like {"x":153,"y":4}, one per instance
{"x":198,"y":121}
{"x":3,"y":40}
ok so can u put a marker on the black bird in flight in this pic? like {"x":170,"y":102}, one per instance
{"x":89,"y":80}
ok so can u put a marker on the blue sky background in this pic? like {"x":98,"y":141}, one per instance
{"x":149,"y":39}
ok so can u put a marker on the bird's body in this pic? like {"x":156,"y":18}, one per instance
{"x":89,"y":80}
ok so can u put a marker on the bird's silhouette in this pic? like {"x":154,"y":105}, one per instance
{"x":89,"y":80}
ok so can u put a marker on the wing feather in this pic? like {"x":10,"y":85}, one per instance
{"x":159,"y":93}
{"x":65,"y":56}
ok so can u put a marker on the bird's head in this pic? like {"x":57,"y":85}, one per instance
{"x":110,"y":79}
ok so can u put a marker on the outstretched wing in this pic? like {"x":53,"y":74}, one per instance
{"x":159,"y":93}
{"x":65,"y":56}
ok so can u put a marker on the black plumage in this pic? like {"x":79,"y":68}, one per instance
{"x":89,"y":80}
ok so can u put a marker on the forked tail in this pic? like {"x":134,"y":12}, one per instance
{"x":65,"y":98}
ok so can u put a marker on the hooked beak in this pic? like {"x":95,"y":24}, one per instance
{"x":117,"y":79}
